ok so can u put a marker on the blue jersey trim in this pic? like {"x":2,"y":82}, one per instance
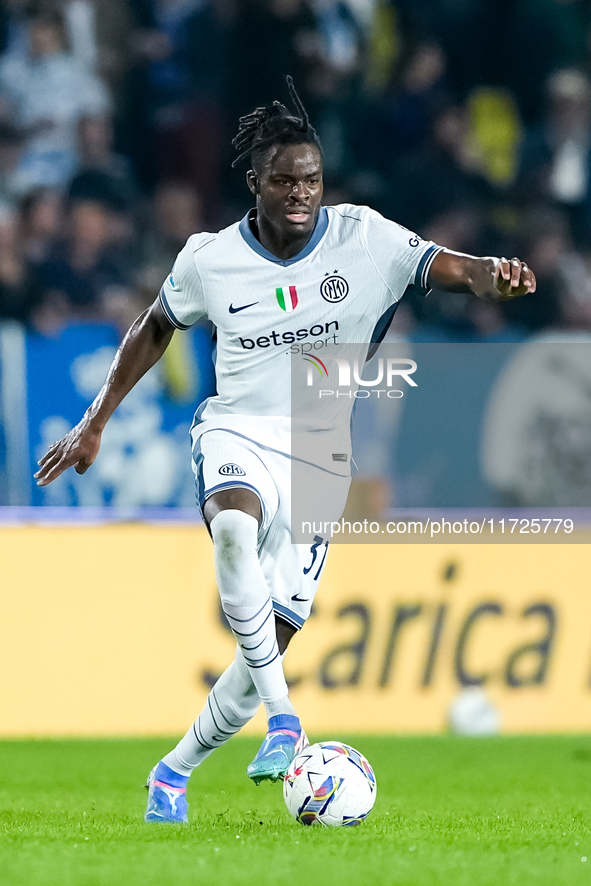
{"x":317,"y":235}
{"x":420,"y":286}
{"x":421,"y":279}
{"x":380,"y":330}
{"x":169,"y":314}
{"x":205,"y":243}
{"x":289,"y":615}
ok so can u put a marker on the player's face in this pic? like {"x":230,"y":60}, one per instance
{"x":289,"y":190}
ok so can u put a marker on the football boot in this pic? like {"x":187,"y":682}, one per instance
{"x":167,"y":801}
{"x":284,"y":740}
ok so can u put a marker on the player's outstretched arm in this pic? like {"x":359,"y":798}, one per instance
{"x":142,"y":347}
{"x":492,"y":279}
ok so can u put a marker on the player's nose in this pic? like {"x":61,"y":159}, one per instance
{"x":299,"y":192}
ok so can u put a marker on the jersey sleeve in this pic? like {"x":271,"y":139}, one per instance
{"x":182,"y":296}
{"x":401,"y":257}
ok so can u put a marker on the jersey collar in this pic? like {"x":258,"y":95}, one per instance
{"x":317,"y":235}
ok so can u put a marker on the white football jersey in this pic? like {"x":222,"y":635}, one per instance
{"x":342,"y":287}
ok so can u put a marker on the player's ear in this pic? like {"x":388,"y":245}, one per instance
{"x":252,"y":181}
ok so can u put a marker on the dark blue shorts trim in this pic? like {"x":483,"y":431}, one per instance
{"x":229,"y":484}
{"x":289,"y":615}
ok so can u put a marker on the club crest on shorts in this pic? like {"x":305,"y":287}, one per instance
{"x":334,"y":289}
{"x":232,"y":470}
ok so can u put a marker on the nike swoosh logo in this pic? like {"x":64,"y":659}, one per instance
{"x":298,"y":599}
{"x":234,"y":310}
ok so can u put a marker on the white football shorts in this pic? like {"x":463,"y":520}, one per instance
{"x":224,"y":459}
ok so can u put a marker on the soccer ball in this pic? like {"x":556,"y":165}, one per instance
{"x":330,"y":784}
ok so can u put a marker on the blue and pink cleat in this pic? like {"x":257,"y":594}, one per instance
{"x":167,"y":801}
{"x":284,"y":740}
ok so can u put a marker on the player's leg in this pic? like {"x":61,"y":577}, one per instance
{"x":232,"y":702}
{"x":238,"y":498}
{"x":234,"y":512}
{"x":293,"y":570}
{"x":233,"y":516}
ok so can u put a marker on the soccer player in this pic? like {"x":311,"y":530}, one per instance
{"x":288,"y":272}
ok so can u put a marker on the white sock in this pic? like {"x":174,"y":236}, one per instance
{"x":246,"y":600}
{"x":232,"y":702}
{"x":281,"y":706}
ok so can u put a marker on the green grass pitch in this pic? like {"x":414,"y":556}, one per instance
{"x":483,"y":812}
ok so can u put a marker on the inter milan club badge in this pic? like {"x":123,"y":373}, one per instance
{"x":287,"y":297}
{"x":334,"y":289}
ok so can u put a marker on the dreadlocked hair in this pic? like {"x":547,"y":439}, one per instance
{"x":274,"y":126}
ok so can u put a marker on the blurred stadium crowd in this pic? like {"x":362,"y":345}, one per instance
{"x":466,"y":120}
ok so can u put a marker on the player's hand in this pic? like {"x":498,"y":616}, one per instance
{"x":513,"y":278}
{"x":78,"y":449}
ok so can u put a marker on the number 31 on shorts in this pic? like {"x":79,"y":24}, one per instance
{"x":317,"y":543}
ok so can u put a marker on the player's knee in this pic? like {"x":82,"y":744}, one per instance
{"x":234,"y":535}
{"x":228,"y":549}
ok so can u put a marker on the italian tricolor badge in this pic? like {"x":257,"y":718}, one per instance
{"x":287,"y":297}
